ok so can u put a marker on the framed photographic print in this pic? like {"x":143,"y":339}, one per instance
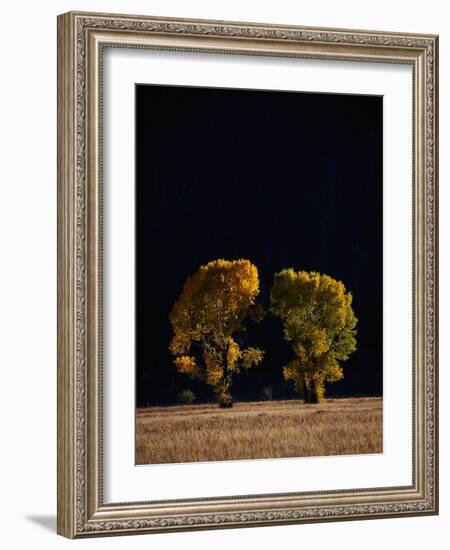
{"x":247,"y":274}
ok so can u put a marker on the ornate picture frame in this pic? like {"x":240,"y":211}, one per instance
{"x":82,"y":39}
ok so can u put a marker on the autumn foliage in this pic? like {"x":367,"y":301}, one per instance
{"x":315,"y":310}
{"x":319,"y":322}
{"x":212,"y":308}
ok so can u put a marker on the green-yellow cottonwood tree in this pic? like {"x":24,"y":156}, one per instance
{"x":213,"y":305}
{"x":319,"y":322}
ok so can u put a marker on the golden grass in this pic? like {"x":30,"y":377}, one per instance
{"x":270,"y":429}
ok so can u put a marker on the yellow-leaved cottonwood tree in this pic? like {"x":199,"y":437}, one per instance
{"x":319,"y":322}
{"x":213,"y":305}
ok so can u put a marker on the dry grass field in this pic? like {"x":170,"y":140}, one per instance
{"x":269,"y":429}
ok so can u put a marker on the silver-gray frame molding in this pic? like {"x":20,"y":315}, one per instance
{"x":81,"y":39}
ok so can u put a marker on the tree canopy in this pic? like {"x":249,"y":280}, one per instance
{"x":211,"y":310}
{"x":319,"y":322}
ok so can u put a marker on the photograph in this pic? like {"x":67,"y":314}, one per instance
{"x":259,"y":274}
{"x":247,"y":281}
{"x":224,"y":275}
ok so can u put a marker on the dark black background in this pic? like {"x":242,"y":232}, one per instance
{"x":285,"y":179}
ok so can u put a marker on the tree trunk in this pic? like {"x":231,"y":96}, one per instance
{"x":223,"y":396}
{"x":306,"y":390}
{"x":317,"y":391}
{"x":223,"y":393}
